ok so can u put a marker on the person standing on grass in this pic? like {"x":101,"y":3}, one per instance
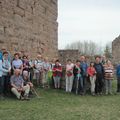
{"x":57,"y":73}
{"x":6,"y":66}
{"x":39,"y":69}
{"x":1,"y":80}
{"x":99,"y":76}
{"x":46,"y":68}
{"x":92,"y":75}
{"x":31,"y":70}
{"x":109,"y":71}
{"x":69,"y":75}
{"x":78,"y":79}
{"x":118,"y":77}
{"x":104,"y":61}
{"x":84,"y":67}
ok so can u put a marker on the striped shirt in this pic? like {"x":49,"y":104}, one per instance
{"x":109,"y":72}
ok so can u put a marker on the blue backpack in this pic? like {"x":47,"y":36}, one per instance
{"x":1,"y":55}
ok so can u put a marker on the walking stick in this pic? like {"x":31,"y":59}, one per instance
{"x":33,"y":89}
{"x":77,"y":85}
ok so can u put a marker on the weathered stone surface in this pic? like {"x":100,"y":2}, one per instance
{"x":116,"y":50}
{"x":64,"y":55}
{"x":30,"y":26}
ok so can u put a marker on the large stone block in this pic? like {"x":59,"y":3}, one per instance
{"x":29,"y":25}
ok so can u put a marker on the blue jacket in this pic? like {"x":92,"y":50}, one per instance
{"x":118,"y":71}
{"x":84,"y":67}
{"x":1,"y":72}
{"x":1,"y":55}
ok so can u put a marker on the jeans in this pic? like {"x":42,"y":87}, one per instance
{"x":1,"y":85}
{"x":108,"y":86}
{"x":99,"y":83}
{"x":57,"y":81}
{"x":6,"y":80}
{"x":84,"y":83}
{"x":79,"y":85}
{"x":118,"y":84}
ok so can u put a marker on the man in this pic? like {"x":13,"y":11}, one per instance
{"x":39,"y":69}
{"x":78,"y":80}
{"x":118,"y":77}
{"x":4,"y":50}
{"x":18,"y":87}
{"x":46,"y":68}
{"x":6,"y":66}
{"x":1,"y":81}
{"x":99,"y":76}
{"x":84,"y":67}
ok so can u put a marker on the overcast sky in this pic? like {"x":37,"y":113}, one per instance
{"x":95,"y":20}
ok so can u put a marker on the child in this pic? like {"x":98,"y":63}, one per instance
{"x":92,"y":75}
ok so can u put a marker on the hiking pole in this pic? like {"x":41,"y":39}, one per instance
{"x":33,"y":89}
{"x":77,"y":86}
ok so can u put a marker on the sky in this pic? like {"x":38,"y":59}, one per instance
{"x":89,"y":20}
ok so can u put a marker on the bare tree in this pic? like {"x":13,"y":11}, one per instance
{"x":86,"y":47}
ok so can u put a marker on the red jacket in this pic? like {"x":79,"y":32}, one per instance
{"x":57,"y":71}
{"x":91,"y":71}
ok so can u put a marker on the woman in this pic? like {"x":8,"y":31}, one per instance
{"x":69,"y":75}
{"x":57,"y":73}
{"x":17,"y":63}
{"x":78,"y":81}
{"x":92,"y":75}
{"x":26,"y":65}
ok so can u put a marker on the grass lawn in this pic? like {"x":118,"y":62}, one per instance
{"x":58,"y":105}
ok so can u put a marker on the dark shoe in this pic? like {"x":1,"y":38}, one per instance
{"x":26,"y":98}
{"x":93,"y":94}
{"x":2,"y":97}
{"x":22,"y":98}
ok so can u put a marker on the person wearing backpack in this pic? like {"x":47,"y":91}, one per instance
{"x":118,"y":77}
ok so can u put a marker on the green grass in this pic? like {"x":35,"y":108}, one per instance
{"x":58,"y":105}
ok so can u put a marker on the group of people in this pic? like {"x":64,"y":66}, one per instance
{"x":19,"y":73}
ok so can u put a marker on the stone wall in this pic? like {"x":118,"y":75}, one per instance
{"x":29,"y":25}
{"x":64,"y":55}
{"x":116,"y":50}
